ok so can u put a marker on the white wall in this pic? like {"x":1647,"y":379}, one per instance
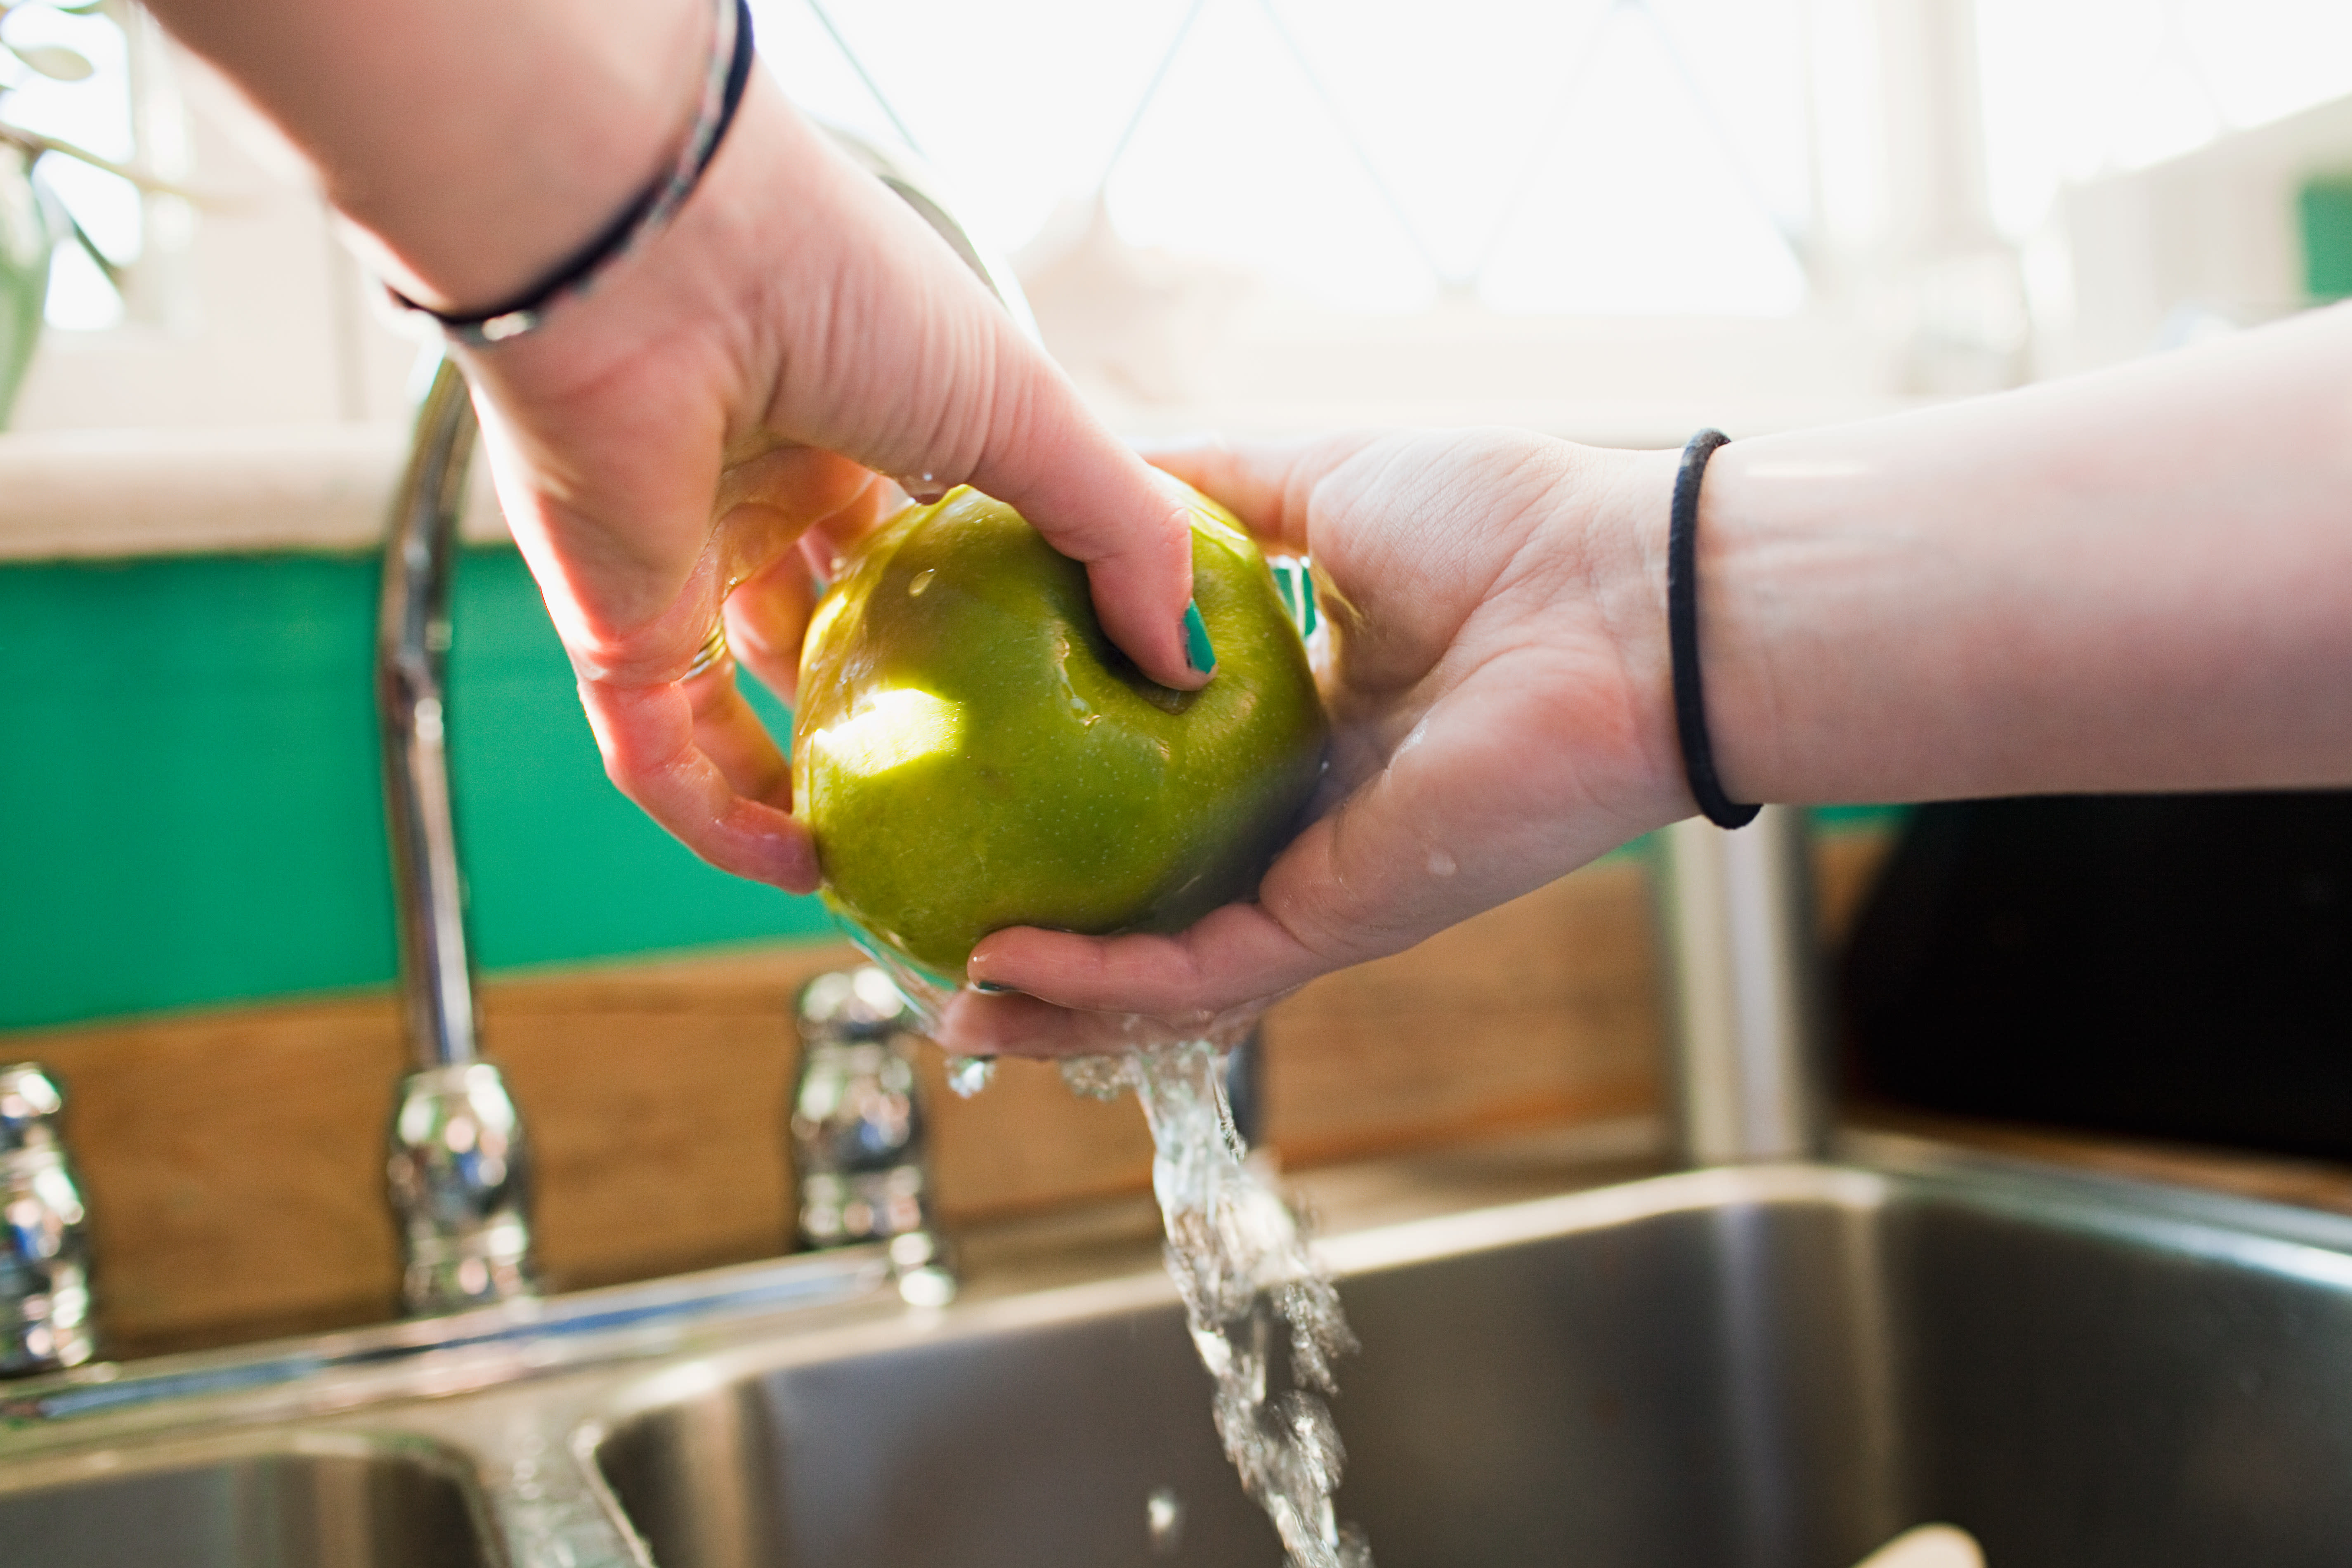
{"x":2212,"y":231}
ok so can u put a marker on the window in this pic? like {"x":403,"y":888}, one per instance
{"x":1326,"y":202}
{"x":2092,"y":86}
{"x":70,"y":75}
{"x":1361,"y":156}
{"x":1284,"y":213}
{"x":1225,"y":203}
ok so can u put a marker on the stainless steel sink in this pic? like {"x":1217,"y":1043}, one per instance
{"x":1779,"y":1367}
{"x":1774,"y":1366}
{"x":331,"y":1504}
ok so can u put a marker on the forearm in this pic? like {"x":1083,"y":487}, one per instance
{"x":2137,"y":580}
{"x":476,"y":146}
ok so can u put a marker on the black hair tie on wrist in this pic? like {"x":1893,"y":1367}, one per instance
{"x":1682,"y":638}
{"x":726,"y":75}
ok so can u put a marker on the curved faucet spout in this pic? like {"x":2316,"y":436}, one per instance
{"x":459,"y":1167}
{"x":412,"y":660}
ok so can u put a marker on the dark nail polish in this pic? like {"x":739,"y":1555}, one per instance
{"x":990,"y":988}
{"x":1197,"y":650}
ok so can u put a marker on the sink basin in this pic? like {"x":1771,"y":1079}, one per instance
{"x":1780,"y":1367}
{"x":1765,"y":1367}
{"x":335,"y":1506}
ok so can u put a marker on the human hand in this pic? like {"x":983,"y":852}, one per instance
{"x":1501,"y":697}
{"x":688,"y":440}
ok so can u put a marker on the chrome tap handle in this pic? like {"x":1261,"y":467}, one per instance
{"x":460,"y":1178}
{"x":45,"y":1302}
{"x":857,"y":1131}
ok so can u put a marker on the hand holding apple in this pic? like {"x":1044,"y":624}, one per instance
{"x":970,"y":753}
{"x":1499,"y":695}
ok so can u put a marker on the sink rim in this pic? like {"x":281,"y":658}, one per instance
{"x":675,"y":1335}
{"x":76,"y":1464}
{"x":305,"y":1376}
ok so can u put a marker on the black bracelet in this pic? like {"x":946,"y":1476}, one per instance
{"x":1682,"y":638}
{"x":722,"y":93}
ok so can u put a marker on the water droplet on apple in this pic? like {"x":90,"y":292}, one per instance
{"x":922,"y":581}
{"x":924,"y":487}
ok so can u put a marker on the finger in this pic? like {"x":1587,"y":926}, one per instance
{"x":647,"y":737}
{"x":909,"y":365}
{"x":767,"y":502}
{"x":1017,"y":1025}
{"x":767,"y":616}
{"x":1232,"y":958}
{"x":779,"y":511}
{"x":1095,"y":501}
{"x":729,"y":734}
{"x":1268,"y":485}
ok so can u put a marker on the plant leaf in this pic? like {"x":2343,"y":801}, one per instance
{"x":55,"y":61}
{"x":107,"y":265}
{"x":34,"y":142}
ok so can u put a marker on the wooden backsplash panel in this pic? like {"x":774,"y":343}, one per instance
{"x":654,"y":1097}
{"x":1544,"y":1011}
{"x":233,"y":1163}
{"x":234,"y":1160}
{"x":1026,"y":1143}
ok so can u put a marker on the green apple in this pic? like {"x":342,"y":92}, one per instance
{"x":971,"y":752}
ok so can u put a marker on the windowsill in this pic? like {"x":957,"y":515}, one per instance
{"x":95,"y":494}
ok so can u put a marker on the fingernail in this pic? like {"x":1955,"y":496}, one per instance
{"x":991,"y":988}
{"x":1197,"y":650}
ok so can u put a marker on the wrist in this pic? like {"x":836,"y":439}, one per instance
{"x":472,"y":149}
{"x":606,"y":103}
{"x":1782,"y":566}
{"x":693,"y":288}
{"x":1625,"y":513}
{"x":687,"y":343}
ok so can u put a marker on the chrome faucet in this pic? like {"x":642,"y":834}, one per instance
{"x":1748,"y":1075}
{"x":459,"y":1167}
{"x":45,"y":1304}
{"x":857,"y":1131}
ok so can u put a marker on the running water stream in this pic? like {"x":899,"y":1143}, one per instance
{"x":1241,"y":1262}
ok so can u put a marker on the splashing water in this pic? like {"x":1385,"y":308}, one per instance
{"x":1240,"y":1263}
{"x":967,"y":1076}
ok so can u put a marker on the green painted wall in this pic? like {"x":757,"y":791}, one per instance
{"x":2324,"y":208}
{"x":190,"y":809}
